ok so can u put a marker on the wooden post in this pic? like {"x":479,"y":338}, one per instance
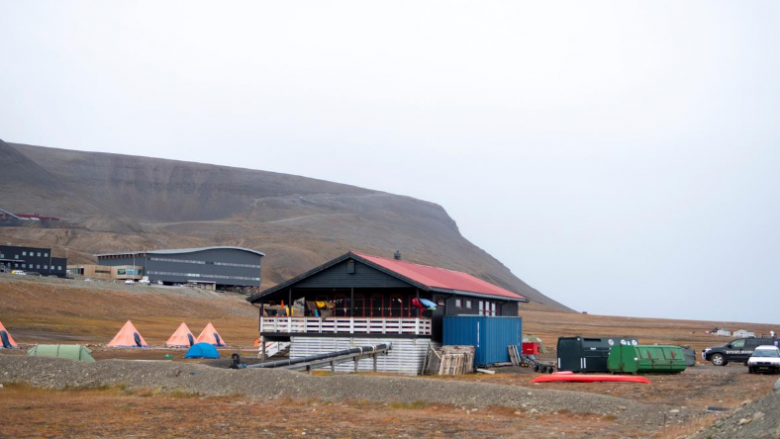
{"x":332,"y":367}
{"x":375,"y":354}
{"x":356,"y":363}
{"x":263,"y":357}
{"x":417,"y":310}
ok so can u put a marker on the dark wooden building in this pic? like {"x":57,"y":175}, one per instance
{"x":363,"y":296}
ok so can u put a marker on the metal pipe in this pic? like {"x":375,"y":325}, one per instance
{"x":357,"y":352}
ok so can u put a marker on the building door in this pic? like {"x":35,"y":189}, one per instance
{"x":360,"y":306}
{"x":395,"y":307}
{"x":376,"y":305}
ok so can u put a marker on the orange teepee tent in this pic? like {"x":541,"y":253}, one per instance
{"x":6,"y":341}
{"x":211,"y":336}
{"x":182,"y":338}
{"x":128,"y":337}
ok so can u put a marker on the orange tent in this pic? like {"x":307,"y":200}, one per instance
{"x":211,"y":336}
{"x":6,"y":341}
{"x":128,"y":337}
{"x":182,"y":338}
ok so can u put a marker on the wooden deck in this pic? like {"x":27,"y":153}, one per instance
{"x":346,"y":325}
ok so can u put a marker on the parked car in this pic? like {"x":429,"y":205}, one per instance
{"x":765,"y":358}
{"x":738,"y":350}
{"x":129,"y":282}
{"x":87,"y":279}
{"x":19,"y":272}
{"x":144,"y":280}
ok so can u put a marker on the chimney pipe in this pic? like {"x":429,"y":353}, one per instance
{"x":397,"y":255}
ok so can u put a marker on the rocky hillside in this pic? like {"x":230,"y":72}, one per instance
{"x":112,"y":202}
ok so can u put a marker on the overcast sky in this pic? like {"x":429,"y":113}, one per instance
{"x":621,"y":157}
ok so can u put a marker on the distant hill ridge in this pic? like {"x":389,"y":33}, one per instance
{"x":114,"y":202}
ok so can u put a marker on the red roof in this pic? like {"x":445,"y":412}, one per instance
{"x":435,"y":277}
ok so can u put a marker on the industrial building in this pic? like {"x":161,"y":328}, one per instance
{"x":213,"y":267}
{"x":356,"y":299}
{"x":31,"y":260}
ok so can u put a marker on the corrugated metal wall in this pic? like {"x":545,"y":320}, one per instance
{"x":406,"y":356}
{"x":489,"y":335}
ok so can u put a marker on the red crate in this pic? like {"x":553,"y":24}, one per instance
{"x":531,"y":349}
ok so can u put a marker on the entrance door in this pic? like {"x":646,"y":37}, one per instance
{"x":395,"y":307}
{"x":376,"y":306}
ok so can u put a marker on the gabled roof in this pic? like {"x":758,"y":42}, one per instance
{"x":174,"y":251}
{"x":425,"y":277}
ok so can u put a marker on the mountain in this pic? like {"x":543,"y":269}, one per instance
{"x":113,"y":202}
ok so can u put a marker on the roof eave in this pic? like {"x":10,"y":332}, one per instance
{"x":481,"y":295}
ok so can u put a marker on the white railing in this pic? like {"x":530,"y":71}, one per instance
{"x":347,"y":325}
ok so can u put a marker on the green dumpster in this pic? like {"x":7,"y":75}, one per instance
{"x":72,"y":352}
{"x":625,"y":358}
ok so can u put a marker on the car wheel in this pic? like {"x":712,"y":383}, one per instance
{"x":750,"y":369}
{"x":718,"y":360}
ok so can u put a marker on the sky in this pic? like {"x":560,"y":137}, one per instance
{"x":621,"y":157}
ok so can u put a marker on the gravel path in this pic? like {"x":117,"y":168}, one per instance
{"x":55,"y":373}
{"x":760,"y":419}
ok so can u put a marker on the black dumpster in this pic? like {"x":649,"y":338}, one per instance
{"x":587,"y":354}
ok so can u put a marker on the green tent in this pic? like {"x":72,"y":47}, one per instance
{"x":69,"y":351}
{"x":530,"y":338}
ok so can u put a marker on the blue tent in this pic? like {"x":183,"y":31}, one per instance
{"x":202,"y":350}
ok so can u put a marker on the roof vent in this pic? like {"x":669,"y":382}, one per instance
{"x":397,"y":255}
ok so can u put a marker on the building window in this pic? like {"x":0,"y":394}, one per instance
{"x":24,"y":253}
{"x":493,"y":309}
{"x":468,"y":303}
{"x":16,"y":256}
{"x":39,"y":254}
{"x":440,"y":301}
{"x":458,"y":303}
{"x":45,"y":255}
{"x":59,"y":268}
{"x":24,"y":265}
{"x":45,"y":267}
{"x":16,"y":265}
{"x":121,"y":271}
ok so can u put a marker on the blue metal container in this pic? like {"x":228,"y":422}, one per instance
{"x":489,"y":335}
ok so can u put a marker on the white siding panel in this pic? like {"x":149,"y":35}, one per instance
{"x":405,"y":357}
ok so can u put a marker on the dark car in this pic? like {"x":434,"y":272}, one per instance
{"x":738,"y":350}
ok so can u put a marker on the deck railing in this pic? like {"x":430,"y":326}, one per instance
{"x":347,"y":325}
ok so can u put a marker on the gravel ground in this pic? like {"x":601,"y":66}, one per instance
{"x":759,"y":419}
{"x":52,"y":373}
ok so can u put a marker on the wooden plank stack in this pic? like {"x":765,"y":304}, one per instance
{"x":449,"y":360}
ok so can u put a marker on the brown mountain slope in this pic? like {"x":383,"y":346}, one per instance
{"x":117,"y":202}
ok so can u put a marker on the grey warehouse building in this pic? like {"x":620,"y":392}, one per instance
{"x":218,"y":266}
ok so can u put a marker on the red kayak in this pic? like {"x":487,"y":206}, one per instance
{"x":561,"y":377}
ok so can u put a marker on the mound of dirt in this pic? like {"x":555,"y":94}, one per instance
{"x":52,"y":373}
{"x":759,"y":419}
